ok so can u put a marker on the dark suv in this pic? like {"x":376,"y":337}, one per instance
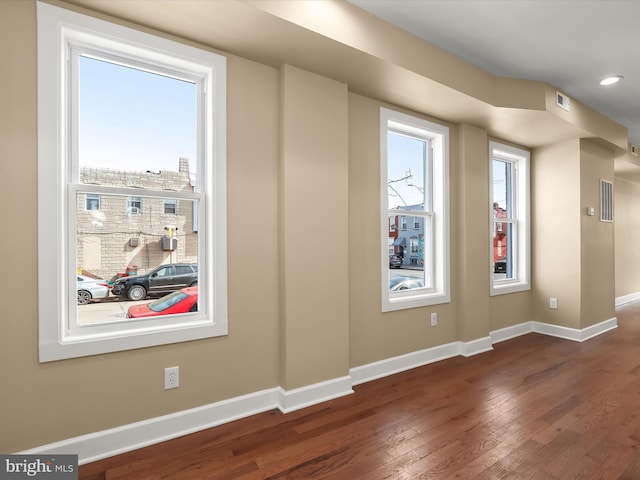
{"x":160,"y":280}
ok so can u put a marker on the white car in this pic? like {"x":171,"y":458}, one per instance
{"x":397,"y":283}
{"x":91,"y":288}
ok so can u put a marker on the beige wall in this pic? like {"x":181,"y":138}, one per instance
{"x":303,"y":198}
{"x":597,"y":257}
{"x":43,"y":403}
{"x":313,"y":218}
{"x":555,"y":191}
{"x":627,"y":237}
{"x":473,"y":260}
{"x":573,"y":258}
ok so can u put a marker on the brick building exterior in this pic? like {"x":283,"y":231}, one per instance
{"x":406,"y":237}
{"x":120,"y":233}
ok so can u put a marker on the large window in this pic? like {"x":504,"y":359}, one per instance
{"x":128,"y":124}
{"x":510,"y":251}
{"x":414,"y":196}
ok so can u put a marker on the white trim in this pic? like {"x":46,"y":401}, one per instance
{"x":513,"y":331}
{"x":474,"y":347}
{"x":566,"y":333}
{"x":291,"y":400}
{"x":401,"y":363}
{"x":632,"y":297}
{"x":573,"y":333}
{"x":107,"y":443}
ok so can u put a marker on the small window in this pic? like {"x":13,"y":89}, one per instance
{"x":170,"y":207}
{"x":414,"y":190}
{"x":134,"y":205}
{"x":510,"y":244}
{"x":92,"y":202}
{"x":183,"y":270}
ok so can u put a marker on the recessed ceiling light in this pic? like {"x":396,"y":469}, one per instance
{"x":611,"y":80}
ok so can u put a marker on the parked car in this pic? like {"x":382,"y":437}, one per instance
{"x":500,"y":267}
{"x":395,"y":261}
{"x":89,"y":288}
{"x":182,"y":301}
{"x":400,"y":282}
{"x":159,"y":281}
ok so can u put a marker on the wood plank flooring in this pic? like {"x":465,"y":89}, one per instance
{"x":536,"y":407}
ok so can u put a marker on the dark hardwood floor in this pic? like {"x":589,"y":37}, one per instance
{"x":536,"y":407}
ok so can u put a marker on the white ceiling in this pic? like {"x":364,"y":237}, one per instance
{"x":570,"y":44}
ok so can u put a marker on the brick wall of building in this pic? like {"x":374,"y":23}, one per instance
{"x":119,"y":231}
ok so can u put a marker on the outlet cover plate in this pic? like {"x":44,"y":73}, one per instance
{"x":171,"y":377}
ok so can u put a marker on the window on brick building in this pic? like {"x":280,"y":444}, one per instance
{"x":92,"y":202}
{"x":134,"y":205}
{"x":127,"y":118}
{"x":170,"y":207}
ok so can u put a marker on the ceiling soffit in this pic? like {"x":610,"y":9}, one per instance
{"x":340,"y":41}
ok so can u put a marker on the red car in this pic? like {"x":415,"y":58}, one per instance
{"x":182,"y":301}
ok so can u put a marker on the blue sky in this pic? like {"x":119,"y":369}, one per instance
{"x":405,"y":154}
{"x":134,"y":120}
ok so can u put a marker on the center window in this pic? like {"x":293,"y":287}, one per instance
{"x":415,"y":195}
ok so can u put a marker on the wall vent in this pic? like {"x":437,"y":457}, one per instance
{"x":606,"y":201}
{"x":563,"y":101}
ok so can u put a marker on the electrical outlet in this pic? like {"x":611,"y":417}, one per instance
{"x":553,"y":303}
{"x":434,"y":319}
{"x":171,"y":377}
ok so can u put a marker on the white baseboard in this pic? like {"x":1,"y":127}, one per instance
{"x":474,"y":347}
{"x":508,"y":333}
{"x":312,"y":394}
{"x":107,"y":443}
{"x":633,"y":297}
{"x":554,"y":331}
{"x":573,"y":333}
{"x":389,"y":366}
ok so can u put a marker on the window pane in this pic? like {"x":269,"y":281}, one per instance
{"x":112,"y":244}
{"x":170,"y":207}
{"x":502,"y":185}
{"x":93,"y":202}
{"x":134,"y":205}
{"x":407,"y":256}
{"x":406,"y":171}
{"x":503,"y":251}
{"x":134,"y":120}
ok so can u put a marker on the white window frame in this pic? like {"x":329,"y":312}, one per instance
{"x":60,"y":33}
{"x":520,"y":160}
{"x":436,"y":215}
